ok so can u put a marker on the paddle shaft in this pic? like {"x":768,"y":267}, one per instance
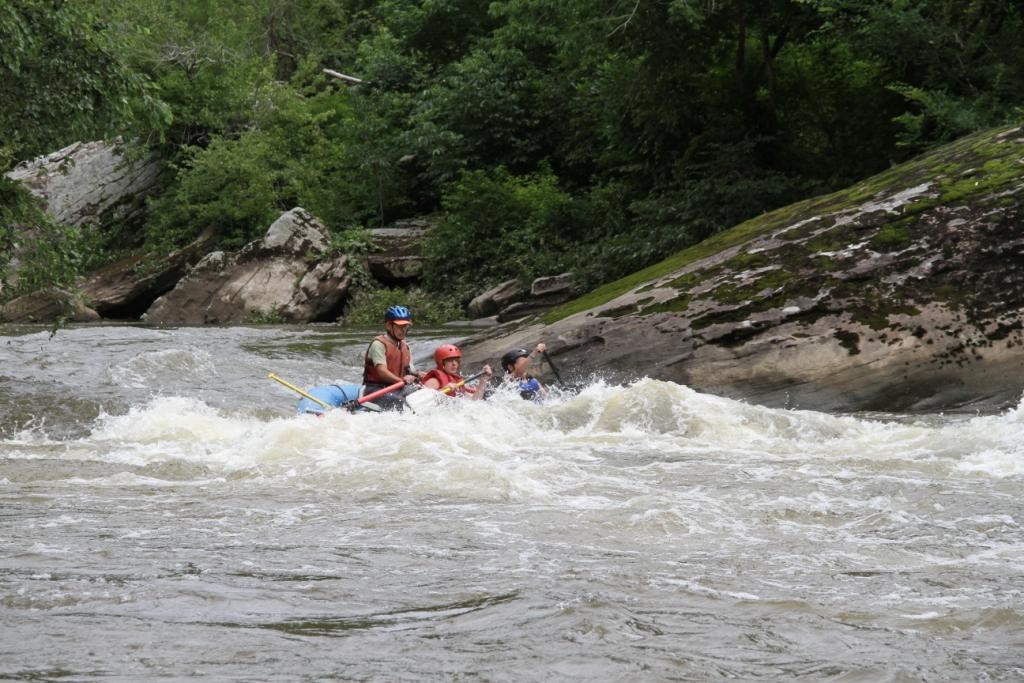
{"x":380,"y":392}
{"x":361,"y":400}
{"x":552,"y":366}
{"x":300,"y":392}
{"x":452,"y":387}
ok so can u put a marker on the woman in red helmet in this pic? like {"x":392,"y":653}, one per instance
{"x":448,"y":359}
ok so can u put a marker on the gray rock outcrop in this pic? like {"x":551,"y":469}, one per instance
{"x":89,"y":183}
{"x":126,"y":288}
{"x":904,"y":292}
{"x":398,"y":259}
{"x":88,"y":186}
{"x":511,"y":300}
{"x":544,"y":293}
{"x":282,"y":278}
{"x":47,"y":305}
{"x":492,"y":301}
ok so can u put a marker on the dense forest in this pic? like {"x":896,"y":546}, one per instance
{"x":525,"y":128}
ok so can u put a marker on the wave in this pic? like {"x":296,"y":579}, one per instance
{"x":513,"y":447}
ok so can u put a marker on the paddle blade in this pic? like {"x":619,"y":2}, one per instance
{"x":424,"y":399}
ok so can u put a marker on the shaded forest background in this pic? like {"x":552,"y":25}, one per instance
{"x":596,"y":136}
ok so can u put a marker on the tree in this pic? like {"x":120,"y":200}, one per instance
{"x":63,"y":78}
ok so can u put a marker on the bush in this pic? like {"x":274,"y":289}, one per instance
{"x":368,"y":305}
{"x":298,"y":152}
{"x":498,"y":226}
{"x":53,"y":253}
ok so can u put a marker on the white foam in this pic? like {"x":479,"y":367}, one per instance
{"x":583,"y":449}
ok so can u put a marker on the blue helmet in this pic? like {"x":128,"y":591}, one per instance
{"x":397,"y":313}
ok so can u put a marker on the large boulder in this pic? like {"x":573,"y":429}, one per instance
{"x":90,"y":183}
{"x":47,"y":305}
{"x":126,"y":288}
{"x":544,"y":293}
{"x":87,"y":185}
{"x":903,"y":292}
{"x":495,"y":299}
{"x":511,"y":300}
{"x":283,"y":277}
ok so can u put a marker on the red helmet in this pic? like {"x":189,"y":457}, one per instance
{"x":446,"y":351}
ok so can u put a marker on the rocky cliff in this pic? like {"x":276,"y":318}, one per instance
{"x":902,"y":292}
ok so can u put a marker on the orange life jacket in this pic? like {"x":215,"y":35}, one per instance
{"x":398,"y":360}
{"x":445,"y":379}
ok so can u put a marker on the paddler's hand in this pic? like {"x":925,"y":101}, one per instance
{"x":541,"y":348}
{"x":409,"y":379}
{"x":487,"y":371}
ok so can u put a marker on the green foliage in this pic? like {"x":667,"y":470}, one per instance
{"x":203,"y":57}
{"x":48,"y":253}
{"x":368,"y":305}
{"x":294,"y":155}
{"x":264,"y":318}
{"x":959,"y":65}
{"x":225,"y":186}
{"x":488,"y":107}
{"x":63,"y":78}
{"x":441,"y":30}
{"x":498,"y":226}
{"x":530,"y":127}
{"x":940,"y":116}
{"x":355,"y":242}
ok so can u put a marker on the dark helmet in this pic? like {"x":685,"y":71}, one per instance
{"x":510,"y":358}
{"x":397,"y":313}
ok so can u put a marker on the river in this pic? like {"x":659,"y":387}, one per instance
{"x":166,"y":515}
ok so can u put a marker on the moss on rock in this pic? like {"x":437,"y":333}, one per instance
{"x":893,"y":229}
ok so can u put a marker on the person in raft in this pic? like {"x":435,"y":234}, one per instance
{"x":516,"y":362}
{"x":448,"y":358}
{"x":388,"y":359}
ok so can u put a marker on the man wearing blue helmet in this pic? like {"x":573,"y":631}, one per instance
{"x":388,"y":359}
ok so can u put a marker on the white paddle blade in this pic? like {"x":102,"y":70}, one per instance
{"x":424,"y":399}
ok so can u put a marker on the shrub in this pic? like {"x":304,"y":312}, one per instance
{"x":498,"y":226}
{"x":53,"y":253}
{"x":368,"y":305}
{"x":298,"y":152}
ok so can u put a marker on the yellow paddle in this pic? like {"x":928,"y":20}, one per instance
{"x":300,"y":392}
{"x":452,"y":387}
{"x":361,"y":401}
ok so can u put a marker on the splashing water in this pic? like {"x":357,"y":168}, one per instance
{"x":166,"y":511}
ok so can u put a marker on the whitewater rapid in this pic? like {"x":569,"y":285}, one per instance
{"x":166,"y":513}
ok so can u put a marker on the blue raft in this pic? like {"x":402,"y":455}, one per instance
{"x":334,"y":395}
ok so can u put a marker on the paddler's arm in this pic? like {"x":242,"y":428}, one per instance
{"x":481,"y":384}
{"x":541,"y":348}
{"x":417,"y":375}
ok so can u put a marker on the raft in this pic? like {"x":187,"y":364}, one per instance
{"x":334,"y":395}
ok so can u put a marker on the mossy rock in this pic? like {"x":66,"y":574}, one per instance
{"x":905,"y":291}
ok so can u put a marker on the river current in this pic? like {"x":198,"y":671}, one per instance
{"x":165,"y":514}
